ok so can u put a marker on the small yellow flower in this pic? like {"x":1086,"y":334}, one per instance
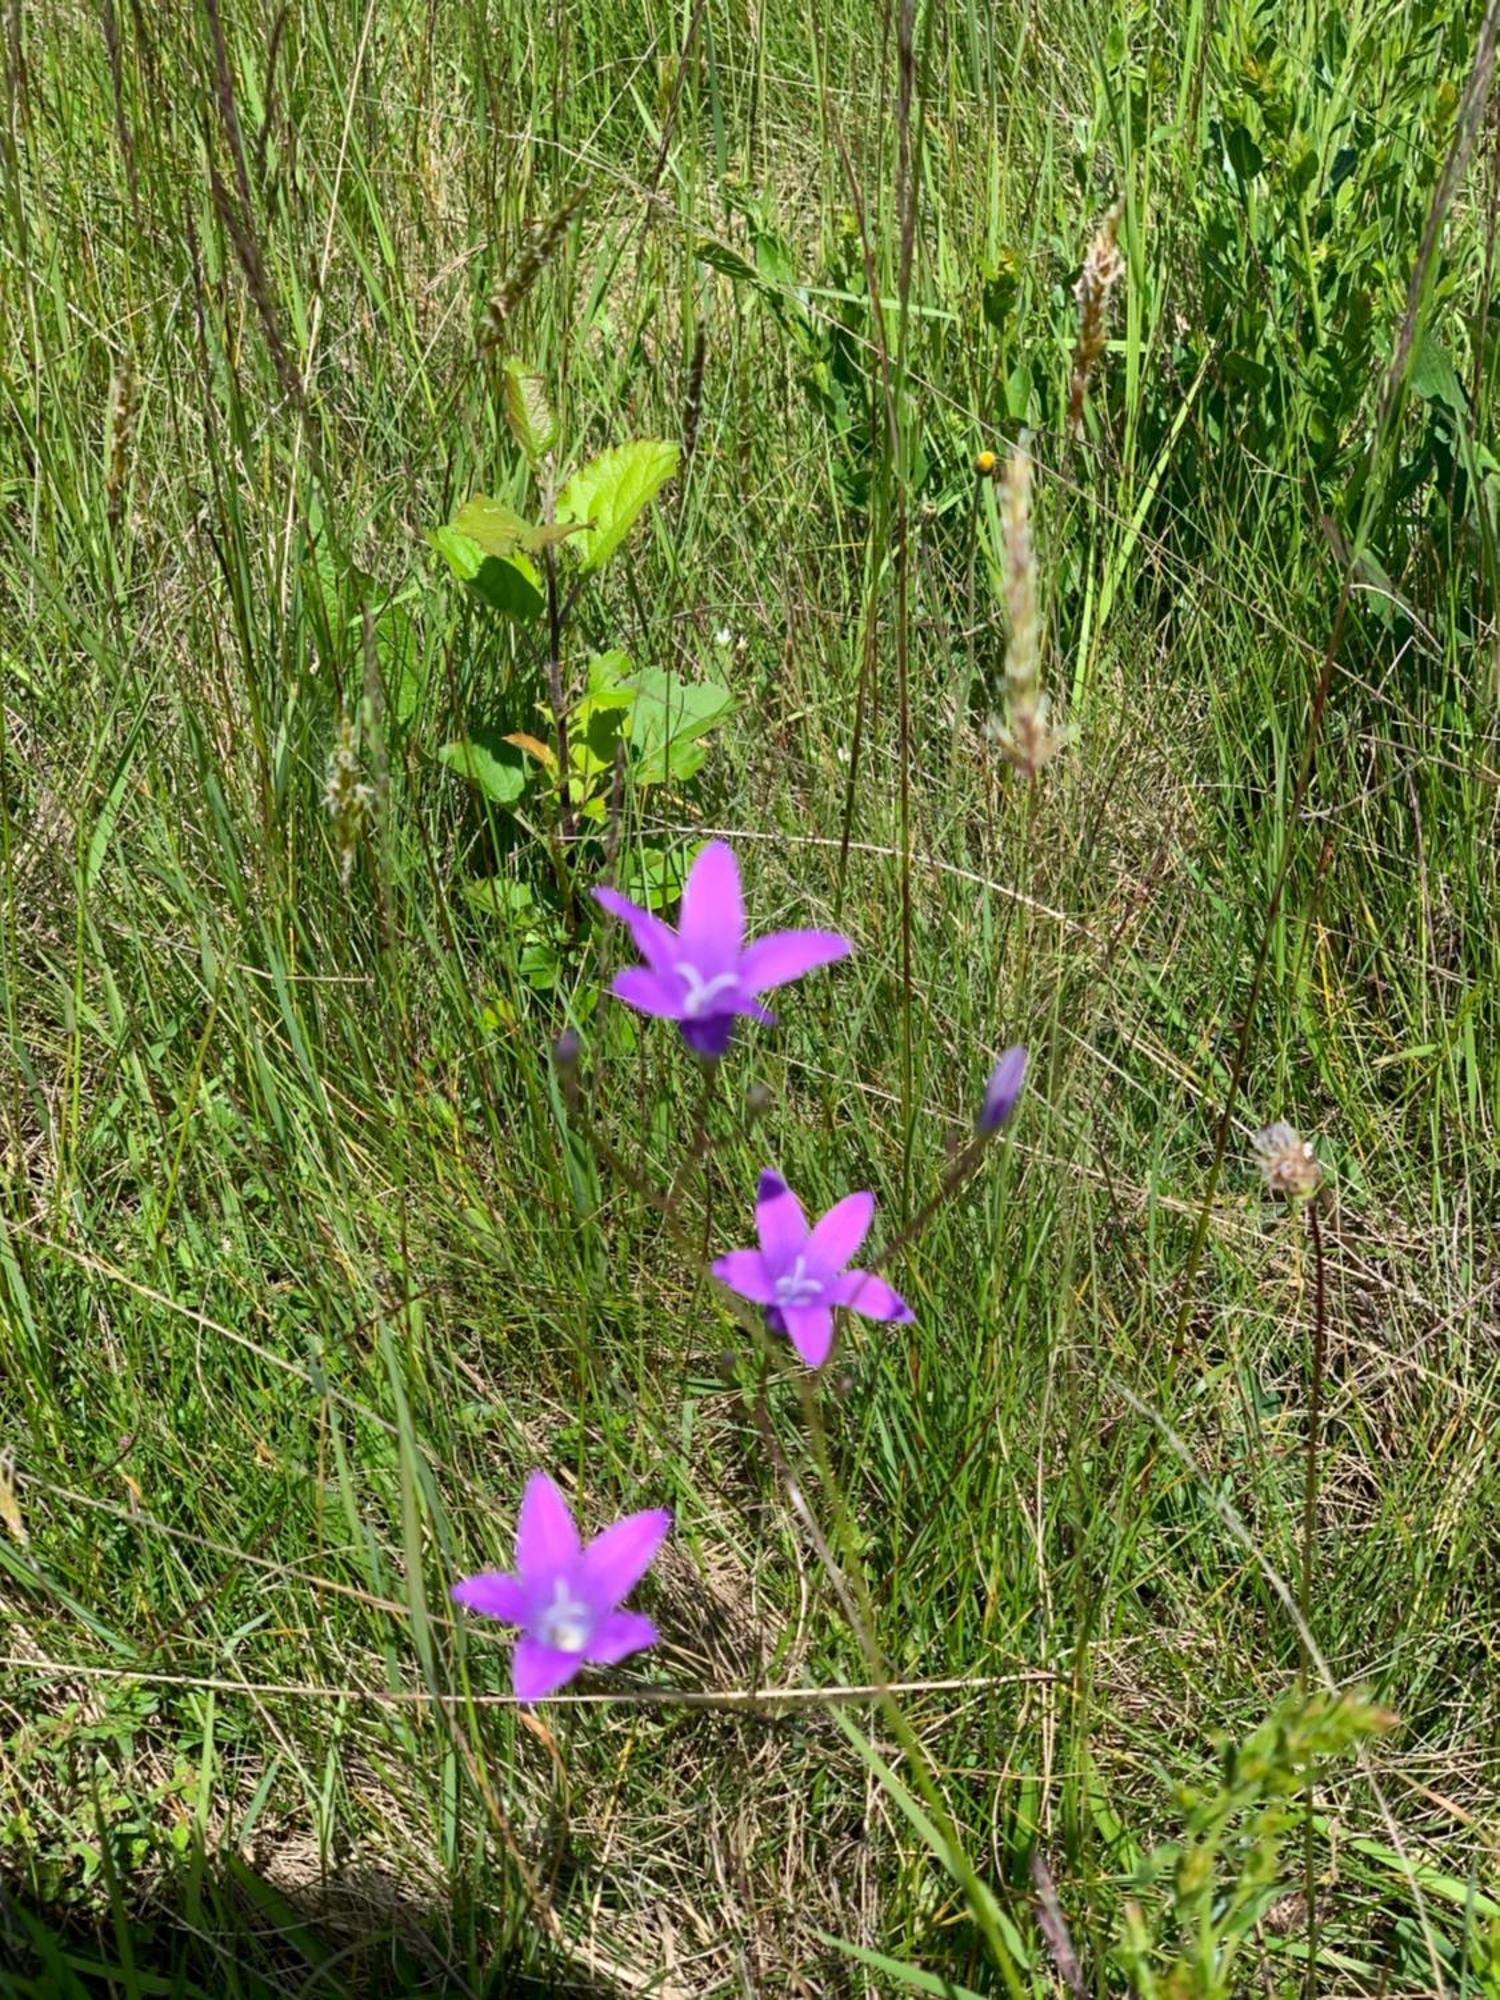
{"x":985,"y":464}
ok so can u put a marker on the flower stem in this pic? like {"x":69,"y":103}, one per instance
{"x":849,"y":1586}
{"x":1309,"y":1541}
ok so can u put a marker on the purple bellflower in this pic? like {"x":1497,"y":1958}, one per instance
{"x":798,"y":1273}
{"x":566,"y":1599}
{"x":1002,"y":1092}
{"x":703,"y":974}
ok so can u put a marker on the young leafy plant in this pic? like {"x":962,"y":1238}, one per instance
{"x":628,"y":722}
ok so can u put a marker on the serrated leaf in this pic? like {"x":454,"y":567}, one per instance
{"x":609,"y":493}
{"x":510,"y":585}
{"x":667,"y":719}
{"x":497,"y":528}
{"x":496,"y":767}
{"x":530,"y":415}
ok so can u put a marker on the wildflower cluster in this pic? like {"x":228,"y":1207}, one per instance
{"x":567,"y":1599}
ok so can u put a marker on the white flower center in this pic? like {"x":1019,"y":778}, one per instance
{"x":702,"y":993}
{"x":794,"y":1288}
{"x":565,"y":1623}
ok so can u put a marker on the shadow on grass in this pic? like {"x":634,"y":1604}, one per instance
{"x":220,"y":1929}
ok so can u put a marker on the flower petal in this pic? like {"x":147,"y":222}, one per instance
{"x":810,"y":1330}
{"x":647,"y":992}
{"x":837,"y":1235}
{"x":709,"y":1035}
{"x":537,"y":1670}
{"x":712,"y":920}
{"x":495,"y":1594}
{"x":744,"y":1271}
{"x":1002,"y":1091}
{"x":864,"y":1293}
{"x":546,"y":1540}
{"x":779,"y":1221}
{"x":617,"y":1636}
{"x":784,"y":955}
{"x":614,"y":1562}
{"x":655,"y":941}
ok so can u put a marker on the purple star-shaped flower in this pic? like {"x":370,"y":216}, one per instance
{"x":702,"y":974}
{"x":566,"y":1599}
{"x":798,"y":1273}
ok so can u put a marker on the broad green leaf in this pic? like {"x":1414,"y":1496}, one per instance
{"x":608,"y":690}
{"x":499,"y":896}
{"x":495,"y":766}
{"x":1434,"y":378}
{"x":510,"y":585}
{"x":401,"y":665}
{"x":500,"y":531}
{"x":527,"y":410}
{"x":497,"y":528}
{"x":667,"y":719}
{"x":610,"y":491}
{"x":651,"y":875}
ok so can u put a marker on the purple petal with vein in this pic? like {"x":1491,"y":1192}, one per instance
{"x":546,"y":1540}
{"x":496,"y":1595}
{"x":784,"y":955}
{"x":539,"y":1670}
{"x":836,"y":1237}
{"x":810,"y":1330}
{"x":614,"y":1562}
{"x":619,"y":1635}
{"x":864,"y":1293}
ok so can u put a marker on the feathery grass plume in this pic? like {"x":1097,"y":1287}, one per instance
{"x":537,"y":251}
{"x":346,"y":795}
{"x":1102,"y":270}
{"x":118,"y":426}
{"x":1026,"y":738}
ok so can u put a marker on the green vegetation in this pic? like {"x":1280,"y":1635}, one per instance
{"x":309,"y":1254}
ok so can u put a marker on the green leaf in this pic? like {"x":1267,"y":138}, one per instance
{"x":912,"y":1977}
{"x":610,"y":491}
{"x":496,"y":767}
{"x":527,"y":410}
{"x":652,"y":876}
{"x":510,"y":586}
{"x":401,"y":666}
{"x":667,"y":719}
{"x":1434,"y":378}
{"x":499,"y":896}
{"x":495,"y":527}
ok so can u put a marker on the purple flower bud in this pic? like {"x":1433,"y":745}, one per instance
{"x":565,"y":1050}
{"x":1003,"y":1091}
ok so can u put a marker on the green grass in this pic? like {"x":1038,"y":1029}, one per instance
{"x":305,"y":1261}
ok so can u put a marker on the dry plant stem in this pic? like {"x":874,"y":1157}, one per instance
{"x":1309,"y":1542}
{"x":849,"y":1587}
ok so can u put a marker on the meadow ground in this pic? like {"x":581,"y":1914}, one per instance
{"x":310,"y":1253}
